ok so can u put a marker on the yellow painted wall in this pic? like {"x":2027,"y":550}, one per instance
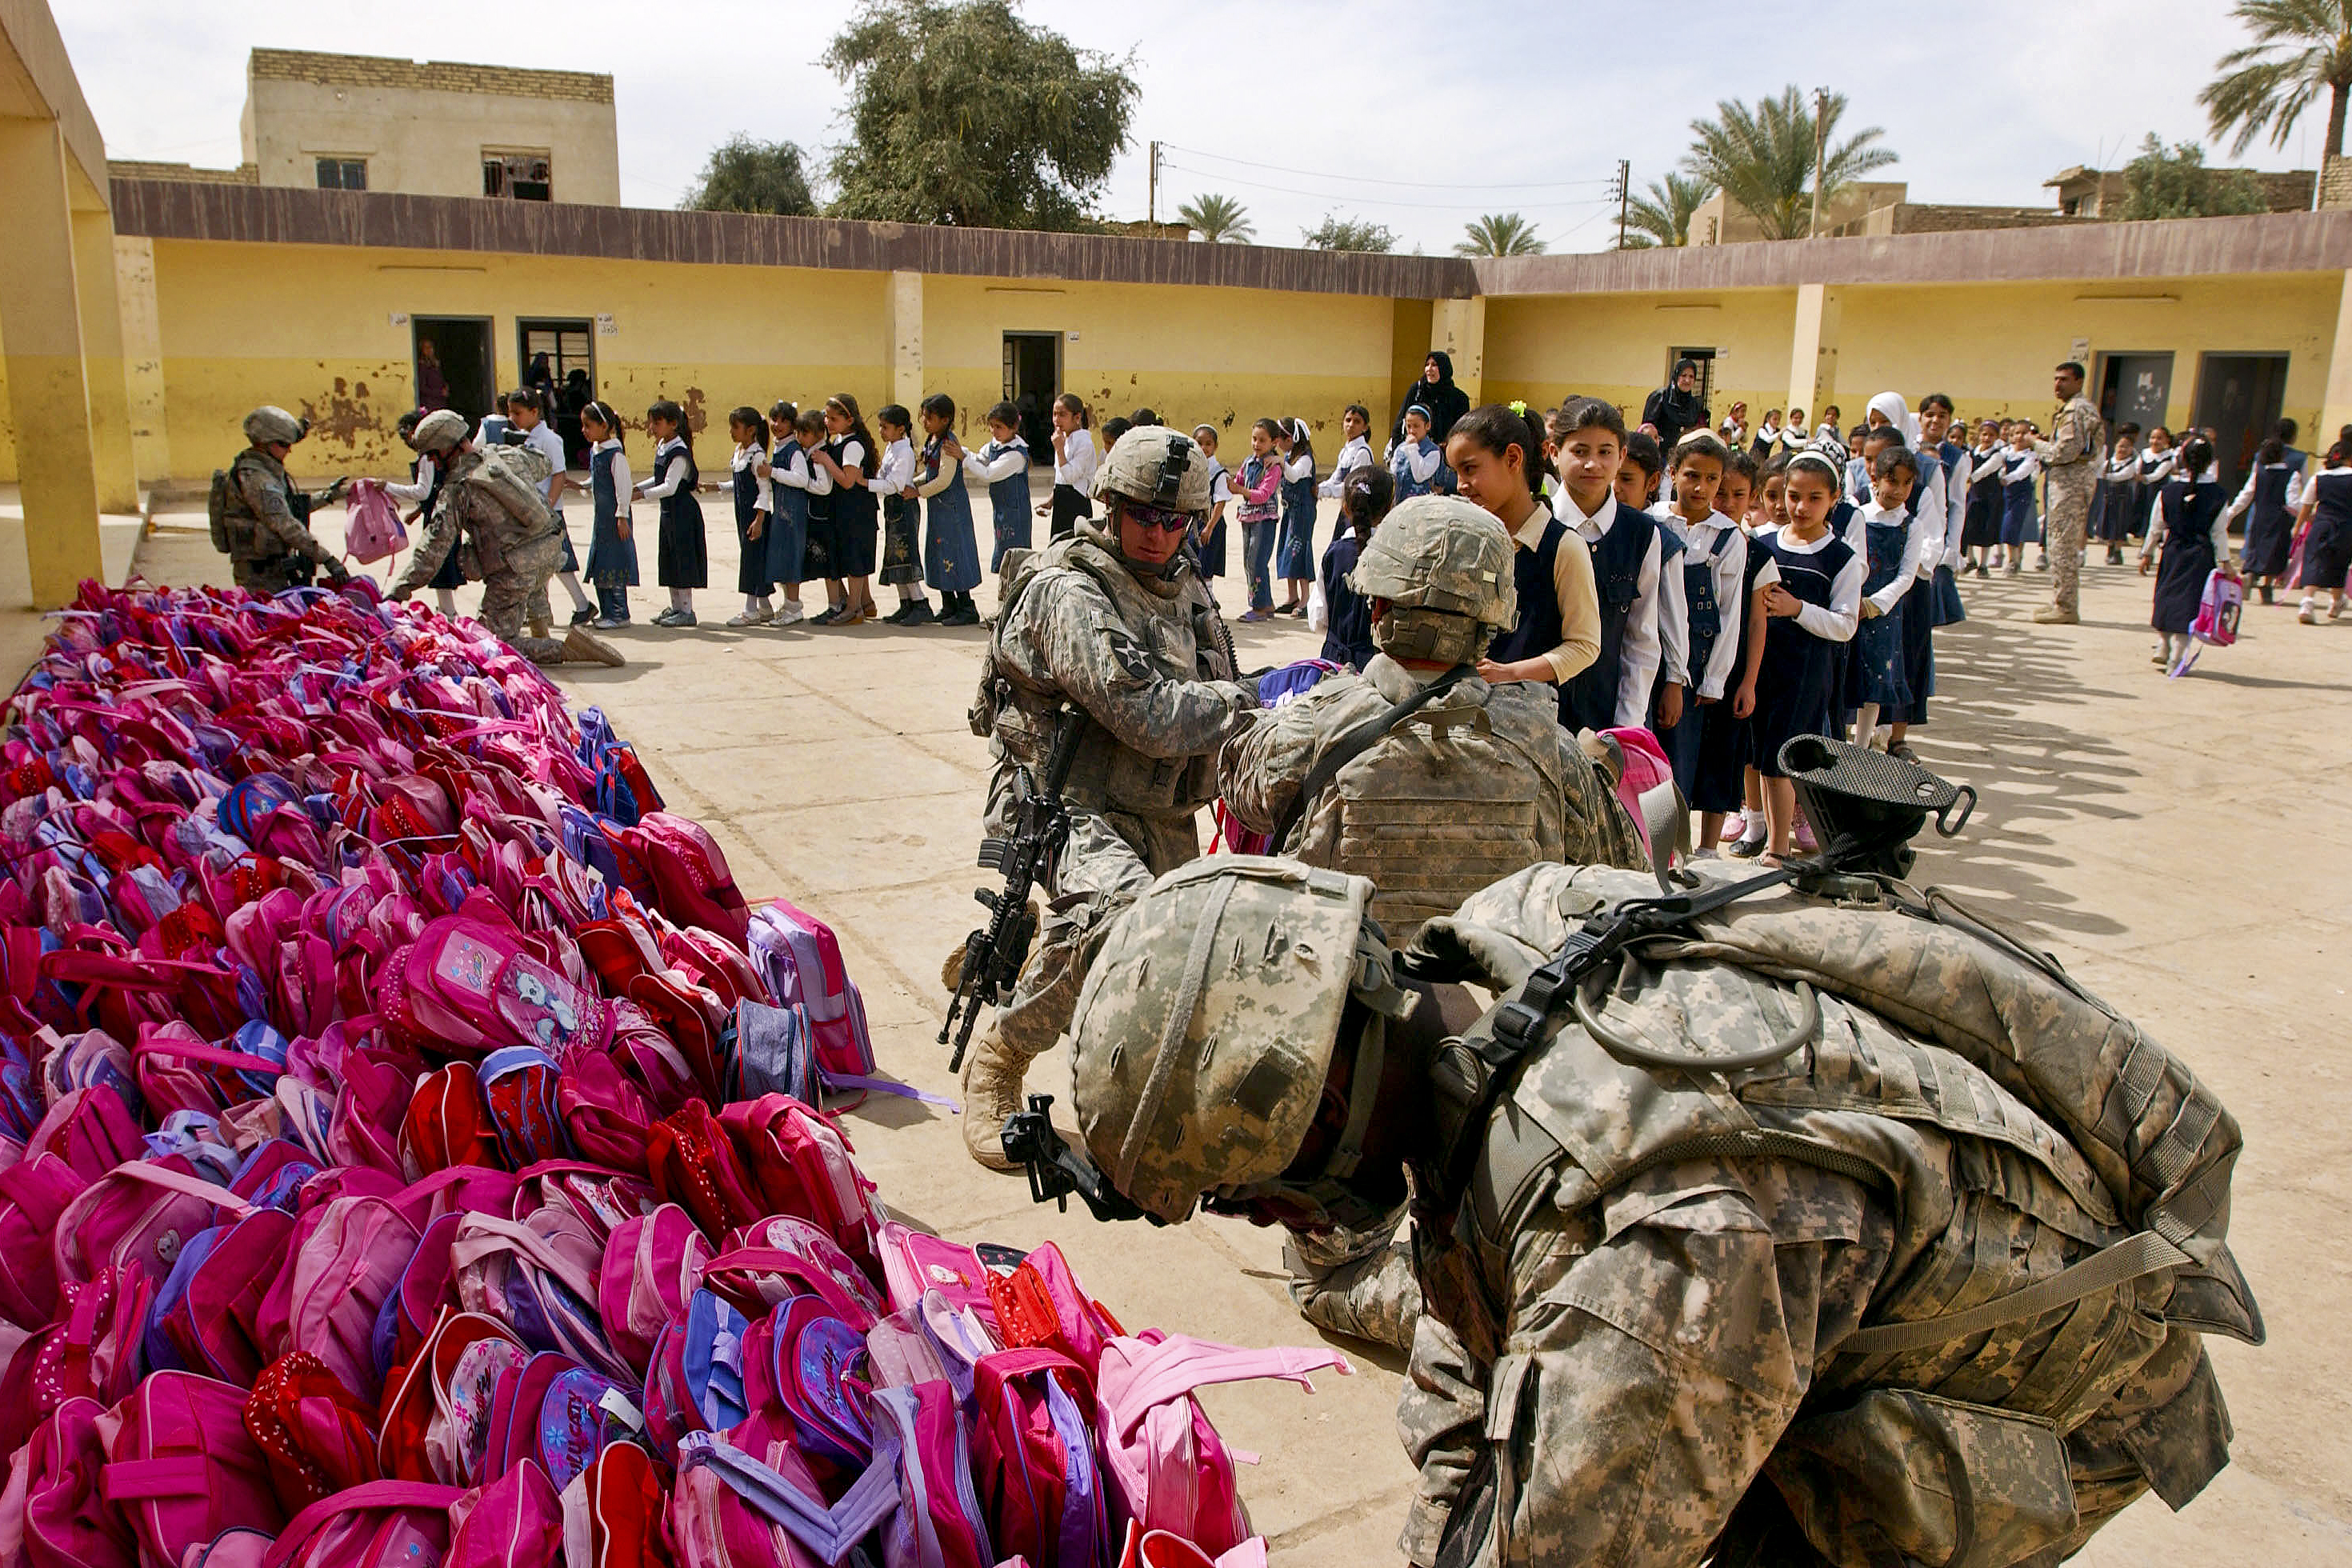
{"x":1619,"y":346}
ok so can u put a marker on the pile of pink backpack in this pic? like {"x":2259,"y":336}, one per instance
{"x":412,"y":1152}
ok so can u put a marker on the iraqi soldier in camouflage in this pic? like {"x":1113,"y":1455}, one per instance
{"x":1919,"y":1280}
{"x":263,"y":521}
{"x":1113,"y":622}
{"x":517,"y":544}
{"x":2066,"y":458}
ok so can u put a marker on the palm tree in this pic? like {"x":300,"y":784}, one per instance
{"x":2300,"y":48}
{"x":1763,"y":158}
{"x":1217,"y":219}
{"x":1499,"y":233}
{"x":1662,"y":217}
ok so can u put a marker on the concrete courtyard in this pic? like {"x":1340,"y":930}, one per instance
{"x":2175,"y":843}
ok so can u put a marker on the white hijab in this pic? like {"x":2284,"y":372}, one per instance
{"x":1891,"y":406}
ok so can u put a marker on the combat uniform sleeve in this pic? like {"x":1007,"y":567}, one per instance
{"x":1263,"y":767}
{"x":433,"y":547}
{"x":1106,"y":669}
{"x":280,"y":532}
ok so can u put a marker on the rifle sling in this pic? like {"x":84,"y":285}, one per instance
{"x":1354,"y":744}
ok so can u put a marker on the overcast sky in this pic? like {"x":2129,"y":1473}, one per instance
{"x":1372,"y":109}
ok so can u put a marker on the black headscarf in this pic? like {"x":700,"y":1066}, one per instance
{"x":1445,"y":402}
{"x":1671,"y":411}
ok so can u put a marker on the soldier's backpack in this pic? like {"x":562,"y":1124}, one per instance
{"x":216,"y":509}
{"x":513,"y":477}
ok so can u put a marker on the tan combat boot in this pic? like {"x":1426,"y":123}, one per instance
{"x":583,"y":647}
{"x":992,"y":1072}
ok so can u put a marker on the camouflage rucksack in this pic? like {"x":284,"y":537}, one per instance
{"x":216,"y":509}
{"x":516,"y":476}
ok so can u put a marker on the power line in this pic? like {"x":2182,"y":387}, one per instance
{"x":1375,"y":180}
{"x":1166,"y":163}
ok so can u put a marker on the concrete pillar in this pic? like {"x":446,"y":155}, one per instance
{"x":1812,"y":351}
{"x":2336,"y":411}
{"x":48,"y":391}
{"x":102,"y":362}
{"x":142,"y":355}
{"x":1459,"y":327}
{"x":906,"y":339}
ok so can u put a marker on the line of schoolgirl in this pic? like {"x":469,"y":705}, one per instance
{"x":1759,"y":602}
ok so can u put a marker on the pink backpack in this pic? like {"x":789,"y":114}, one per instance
{"x":914,"y":1262}
{"x":1643,"y":767}
{"x":348,"y":1255}
{"x":785,"y":1255}
{"x":734,"y":1509}
{"x":653,"y":1266}
{"x":33,"y":1193}
{"x":64,"y":1524}
{"x":182,"y":1467}
{"x":2216,"y":625}
{"x":377,"y":1524}
{"x":1032,"y":1460}
{"x":939,"y":1523}
{"x":691,"y":872}
{"x":372,"y":525}
{"x":1167,"y":1467}
{"x":800,"y":958}
{"x":468,"y":987}
{"x":537,"y":1276}
{"x":142,"y":1211}
{"x":515,"y":1522}
{"x":803,"y":1163}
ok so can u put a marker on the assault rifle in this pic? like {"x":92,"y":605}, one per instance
{"x":993,"y":955}
{"x":1056,"y":1170}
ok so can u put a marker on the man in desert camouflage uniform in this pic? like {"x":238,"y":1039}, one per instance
{"x":1456,"y":784}
{"x":1113,"y":622}
{"x":2068,"y":458}
{"x":1717,"y":1263}
{"x":264,"y":518}
{"x":514,"y":557}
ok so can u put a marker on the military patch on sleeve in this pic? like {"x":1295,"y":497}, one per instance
{"x":1132,"y":655}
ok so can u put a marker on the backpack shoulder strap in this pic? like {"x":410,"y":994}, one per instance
{"x":1354,"y":744}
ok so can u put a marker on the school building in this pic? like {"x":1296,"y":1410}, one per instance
{"x":141,"y":317}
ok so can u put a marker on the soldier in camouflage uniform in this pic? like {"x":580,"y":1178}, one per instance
{"x":1113,"y":622}
{"x":1917,"y":1282}
{"x":265,"y":518}
{"x":1476,"y":782}
{"x":2066,"y":458}
{"x":513,"y":557}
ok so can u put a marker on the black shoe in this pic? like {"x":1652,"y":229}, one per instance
{"x":961,"y":615}
{"x":2267,"y":594}
{"x":897,"y":617}
{"x":918,"y":614}
{"x":582,"y":616}
{"x":826,"y":616}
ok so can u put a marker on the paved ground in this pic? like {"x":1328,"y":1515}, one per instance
{"x":2177,"y":844}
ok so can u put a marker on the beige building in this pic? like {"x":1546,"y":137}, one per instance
{"x":430,"y":129}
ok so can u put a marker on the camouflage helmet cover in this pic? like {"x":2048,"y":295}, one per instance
{"x":271,"y":423}
{"x":442,"y":431}
{"x":1158,"y":467}
{"x":1443,"y":553}
{"x":1205,"y":1028}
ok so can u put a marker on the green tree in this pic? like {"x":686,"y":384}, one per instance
{"x":748,"y":176}
{"x":2175,"y":182}
{"x":962,"y":114}
{"x":1763,"y":158}
{"x":2300,"y":48}
{"x":1335,"y":233}
{"x":1499,"y":233}
{"x":1662,"y":216}
{"x":1218,"y":219}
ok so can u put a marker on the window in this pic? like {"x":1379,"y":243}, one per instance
{"x":520,"y":177}
{"x":343,"y":173}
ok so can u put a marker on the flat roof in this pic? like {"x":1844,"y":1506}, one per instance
{"x":426,"y":76}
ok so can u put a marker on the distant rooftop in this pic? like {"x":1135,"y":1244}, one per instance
{"x":426,"y":76}
{"x":145,"y":169}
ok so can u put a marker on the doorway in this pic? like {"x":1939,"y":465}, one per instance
{"x":2134,"y":389}
{"x":566,"y":378}
{"x":453,"y":364}
{"x":1033,"y":378}
{"x":2240,"y":396}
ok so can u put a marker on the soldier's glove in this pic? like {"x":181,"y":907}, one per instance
{"x":400,"y":595}
{"x":337,"y":573}
{"x":338,"y":487}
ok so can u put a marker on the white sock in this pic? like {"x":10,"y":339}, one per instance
{"x":570,"y":580}
{"x":750,"y":603}
{"x":1864,"y":723}
{"x":681,"y":599}
{"x":1756,"y":829}
{"x":446,"y":599}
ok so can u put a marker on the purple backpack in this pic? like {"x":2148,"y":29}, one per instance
{"x":939,"y":1523}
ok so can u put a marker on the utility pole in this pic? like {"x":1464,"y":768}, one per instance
{"x":1153,"y":209}
{"x":1820,"y":146}
{"x":1624,"y":197}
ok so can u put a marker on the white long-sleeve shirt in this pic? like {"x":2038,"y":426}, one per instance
{"x":992,"y":462}
{"x":1729,"y":570}
{"x":1355,"y":454}
{"x":1932,"y":512}
{"x":666,"y":486}
{"x":1835,"y":620}
{"x":754,"y":458}
{"x":795,"y":473}
{"x":2237,"y":508}
{"x":621,"y":486}
{"x":896,"y":470}
{"x":1639,"y":652}
{"x":951,"y":473}
{"x":1956,"y":513}
{"x":1673,"y":606}
{"x":1301,"y":467}
{"x":1075,"y":466}
{"x":1915,"y":540}
{"x":2019,"y":466}
{"x":1416,"y":462}
{"x":425,"y":471}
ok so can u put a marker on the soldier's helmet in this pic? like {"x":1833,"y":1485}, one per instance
{"x":1444,"y":566}
{"x":270,"y":423}
{"x":1158,"y":467}
{"x":1205,"y":1028}
{"x":442,"y":431}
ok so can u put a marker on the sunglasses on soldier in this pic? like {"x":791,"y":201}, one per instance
{"x":1144,"y":516}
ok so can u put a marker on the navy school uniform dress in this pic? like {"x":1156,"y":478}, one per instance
{"x":1981,"y":526}
{"x":682,"y":558}
{"x":1347,"y":640}
{"x":788,"y":521}
{"x":1008,"y":502}
{"x":2188,"y":512}
{"x":1294,"y":553}
{"x":1946,"y":609}
{"x":1875,"y":665}
{"x":2270,"y":526}
{"x":612,"y":560}
{"x":1795,"y":685}
{"x":1920,"y":608}
{"x":1588,"y":702}
{"x":1707,"y":774}
{"x":751,"y":578}
{"x":2327,"y":553}
{"x":2018,"y":524}
{"x":950,"y":552}
{"x":855,"y":515}
{"x":902,"y":543}
{"x":1538,"y":628}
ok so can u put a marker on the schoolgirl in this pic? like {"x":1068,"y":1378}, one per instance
{"x":849,"y":459}
{"x":2269,"y":502}
{"x":2156,"y":460}
{"x":2111,"y":500}
{"x":1004,"y":466}
{"x":495,"y":423}
{"x":892,"y":485}
{"x":788,"y":498}
{"x":1211,"y":540}
{"x":2326,"y":520}
{"x":2019,"y":526}
{"x":1713,"y":565}
{"x":1745,"y":834}
{"x":1936,"y":420}
{"x":2191,"y":529}
{"x":1363,"y":502}
{"x":1357,"y":423}
{"x":1877,"y":673}
{"x":1809,"y":591}
{"x":1768,"y":436}
{"x":1295,"y":555}
{"x":749,"y":471}
{"x":1416,"y":463}
{"x":950,"y":552}
{"x":682,"y":561}
{"x":612,"y":547}
{"x":1497,"y":455}
{"x":1980,"y":523}
{"x":1075,"y":460}
{"x":1260,"y":494}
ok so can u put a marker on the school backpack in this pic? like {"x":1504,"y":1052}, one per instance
{"x":1041,"y":1491}
{"x":939,"y":1523}
{"x":2216,"y":624}
{"x":182,"y":1467}
{"x":65,"y":1523}
{"x":373,"y":529}
{"x":513,"y":477}
{"x":612,"y":1512}
{"x":800,"y":958}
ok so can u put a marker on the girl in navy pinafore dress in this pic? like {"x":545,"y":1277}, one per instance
{"x":1812,"y":597}
{"x":1004,"y":466}
{"x":1295,"y":552}
{"x":747,"y":472}
{"x":612,"y":552}
{"x":682,"y":562}
{"x":1877,"y":673}
{"x":950,"y":552}
{"x":788,"y":502}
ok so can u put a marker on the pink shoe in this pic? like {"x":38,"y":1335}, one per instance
{"x":1805,"y":841}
